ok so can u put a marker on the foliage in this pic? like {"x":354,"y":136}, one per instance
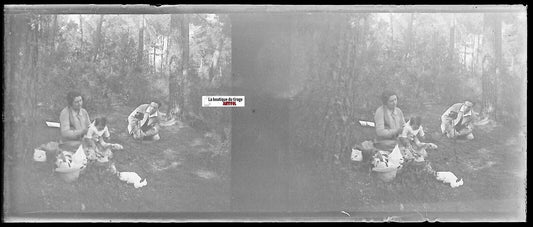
{"x":115,"y":76}
{"x":351,"y":58}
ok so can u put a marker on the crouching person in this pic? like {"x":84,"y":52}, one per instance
{"x":456,"y":122}
{"x":143,"y":122}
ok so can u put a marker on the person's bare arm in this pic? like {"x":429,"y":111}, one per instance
{"x":417,"y":142}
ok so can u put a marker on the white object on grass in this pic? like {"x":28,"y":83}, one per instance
{"x":396,"y":156}
{"x":132,"y":178}
{"x":39,"y":155}
{"x":53,"y":124}
{"x":449,"y":178}
{"x":382,"y":162}
{"x":367,"y":123}
{"x":66,"y":167}
{"x":357,"y":155}
{"x":385,"y":169}
{"x":79,"y":158}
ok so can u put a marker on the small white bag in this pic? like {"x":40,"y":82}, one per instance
{"x":357,"y":155}
{"x":39,"y":155}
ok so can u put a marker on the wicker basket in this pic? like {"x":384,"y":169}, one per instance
{"x":69,"y":174}
{"x":386,"y":173}
{"x":387,"y":176}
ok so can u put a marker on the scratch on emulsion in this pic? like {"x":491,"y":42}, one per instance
{"x":344,"y":212}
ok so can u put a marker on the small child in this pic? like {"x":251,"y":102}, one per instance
{"x":96,"y":134}
{"x":409,"y":138}
{"x":98,"y":129}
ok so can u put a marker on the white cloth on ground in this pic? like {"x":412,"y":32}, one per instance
{"x":132,"y":178}
{"x":449,"y":178}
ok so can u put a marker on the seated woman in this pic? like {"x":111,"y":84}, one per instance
{"x":389,"y":121}
{"x":74,"y":120}
{"x":457,"y":121}
{"x":143,"y":122}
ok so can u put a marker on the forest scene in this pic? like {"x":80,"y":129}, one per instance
{"x":431,"y":61}
{"x":318,"y":75}
{"x":118,"y":62}
{"x":308,"y":78}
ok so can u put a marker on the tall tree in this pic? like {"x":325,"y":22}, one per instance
{"x":162,"y":54}
{"x":409,"y":41}
{"x":185,"y":59}
{"x":499,"y":68}
{"x":54,"y":34}
{"x":140,"y":50}
{"x":178,"y":63}
{"x":216,"y":57}
{"x":81,"y":34}
{"x":98,"y":37}
{"x":492,"y":63}
{"x":22,"y":51}
{"x":391,"y":32}
{"x":451,"y":49}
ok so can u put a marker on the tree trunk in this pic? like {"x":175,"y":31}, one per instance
{"x":491,"y":64}
{"x":409,"y":42}
{"x":216,"y":58}
{"x":155,"y":65}
{"x":478,"y":51}
{"x":499,"y":69}
{"x":54,"y":34}
{"x":22,"y":50}
{"x":81,"y":35}
{"x":185,"y":62}
{"x":464,"y":60}
{"x":473,"y":62}
{"x":364,"y":38}
{"x":162,"y":54}
{"x":98,"y":37}
{"x":391,"y":33}
{"x":140,"y":50}
{"x":175,"y":67}
{"x":452,"y":43}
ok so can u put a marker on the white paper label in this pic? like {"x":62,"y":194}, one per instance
{"x":222,"y":101}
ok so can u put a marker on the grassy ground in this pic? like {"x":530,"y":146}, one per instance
{"x":493,"y":168}
{"x":183,"y":175}
{"x":182,"y":171}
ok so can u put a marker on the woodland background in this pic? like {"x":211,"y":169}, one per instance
{"x":337,"y":73}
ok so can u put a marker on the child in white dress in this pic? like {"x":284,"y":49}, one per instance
{"x":410,"y":143}
{"x":97,"y":147}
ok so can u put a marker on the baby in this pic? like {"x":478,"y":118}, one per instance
{"x":409,"y":141}
{"x":411,"y":130}
{"x":97,"y":148}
